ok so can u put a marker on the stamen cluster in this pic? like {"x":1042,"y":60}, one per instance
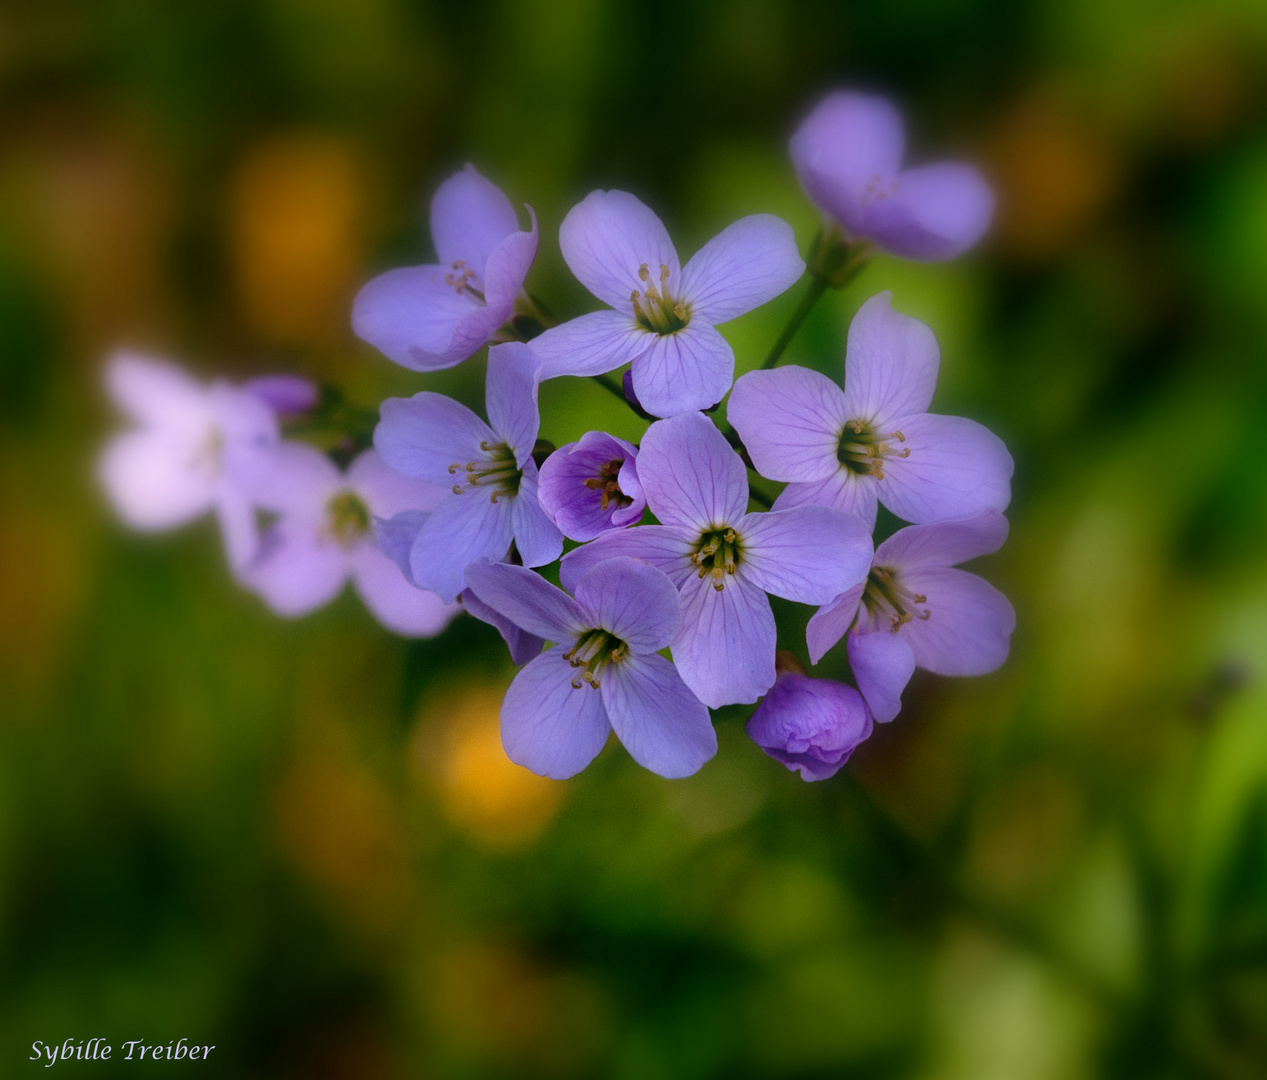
{"x":654,"y":308}
{"x":498,"y":469}
{"x":594,"y":651}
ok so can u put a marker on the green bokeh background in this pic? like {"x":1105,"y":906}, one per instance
{"x":298,"y":841}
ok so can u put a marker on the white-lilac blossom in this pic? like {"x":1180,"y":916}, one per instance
{"x":286,"y":395}
{"x":434,"y":316}
{"x":664,"y":314}
{"x":187,"y":453}
{"x":591,"y":486}
{"x":324,"y":535}
{"x":875,"y":440}
{"x":603,"y":673}
{"x":915,"y":610}
{"x":488,"y":468}
{"x":725,"y":560}
{"x":848,"y":155}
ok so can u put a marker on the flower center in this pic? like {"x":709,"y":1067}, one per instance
{"x":886,"y":598}
{"x":879,"y":188}
{"x":654,"y":307}
{"x":718,"y":554}
{"x":606,"y":482}
{"x":593,"y":651}
{"x":863,"y":451}
{"x":348,"y":518}
{"x":460,"y":277}
{"x":207,"y":455}
{"x":497,"y":469}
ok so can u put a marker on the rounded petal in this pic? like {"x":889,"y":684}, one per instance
{"x":156,"y":393}
{"x":460,"y":530}
{"x":507,"y":267}
{"x":387,"y":492}
{"x":725,"y":651}
{"x":393,"y":601}
{"x":412,"y":316}
{"x":790,"y":420}
{"x":741,"y":268}
{"x":809,"y":554}
{"x":891,"y":364}
{"x":934,"y":212}
{"x":424,"y":435}
{"x":946,"y":544}
{"x":286,"y":395}
{"x":292,"y":478}
{"x":684,"y":372}
{"x":691,"y":476}
{"x":396,"y":536}
{"x":537,"y":538}
{"x":810,"y":725}
{"x":578,"y":509}
{"x":658,"y":720}
{"x":238,"y":529}
{"x":607,"y":237}
{"x":882,"y":664}
{"x":970,"y":623}
{"x":148,"y":480}
{"x":548,"y":725}
{"x":842,"y":490}
{"x":297,"y":571}
{"x":661,"y":546}
{"x":510,"y":396}
{"x":527,"y":600}
{"x":591,"y":345}
{"x":470,"y":216}
{"x":832,"y":621}
{"x":523,"y":646}
{"x":632,"y":600}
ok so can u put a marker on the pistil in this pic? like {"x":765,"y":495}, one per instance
{"x":885,"y":597}
{"x":498,"y":470}
{"x":863,"y":451}
{"x":654,"y":307}
{"x":594,"y":651}
{"x":348,"y":518}
{"x":607,"y":483}
{"x":718,"y":555}
{"x":460,"y":277}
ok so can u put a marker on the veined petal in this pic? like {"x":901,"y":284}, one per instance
{"x":831,"y":621}
{"x":946,"y":544}
{"x":691,"y":476}
{"x":607,"y":237}
{"x":632,"y":600}
{"x":934,"y":213}
{"x":578,"y":509}
{"x":658,"y":720}
{"x":507,"y":267}
{"x":790,"y":420}
{"x":891,"y":364}
{"x":742,"y":267}
{"x":523,"y":646}
{"x":461,"y":529}
{"x":392,"y":600}
{"x":424,"y":435}
{"x":665,"y":547}
{"x":411,"y":316}
{"x":810,"y":725}
{"x":725,"y":651}
{"x":395,"y":537}
{"x":537,"y":538}
{"x":842,"y":490}
{"x":510,"y":395}
{"x":148,"y":480}
{"x":956,"y":468}
{"x":470,"y":216}
{"x":882,"y":665}
{"x":548,"y":726}
{"x":809,"y":554}
{"x":387,"y":492}
{"x":970,"y":623}
{"x":527,"y":600}
{"x":685,"y":371}
{"x":297,"y":570}
{"x":591,"y":345}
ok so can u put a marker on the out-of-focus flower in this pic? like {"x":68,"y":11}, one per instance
{"x":724,"y":560}
{"x":591,"y":486}
{"x":435,"y":316}
{"x":286,"y":395}
{"x":494,"y":502}
{"x":325,"y":534}
{"x":914,"y":610}
{"x":664,"y":315}
{"x":188,"y":454}
{"x":810,"y":725}
{"x":603,"y":674}
{"x":875,"y":439}
{"x":848,"y":155}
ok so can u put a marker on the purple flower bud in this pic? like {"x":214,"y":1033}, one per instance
{"x":286,"y":395}
{"x":590,"y":487}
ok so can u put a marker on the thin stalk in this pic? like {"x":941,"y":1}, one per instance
{"x":817,"y":287}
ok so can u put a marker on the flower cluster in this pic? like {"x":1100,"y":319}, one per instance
{"x":663,"y":611}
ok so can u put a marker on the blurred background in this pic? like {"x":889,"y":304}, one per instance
{"x":300,"y":841}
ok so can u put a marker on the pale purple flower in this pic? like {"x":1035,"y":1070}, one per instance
{"x":724,"y":560}
{"x":810,"y":725}
{"x":324,"y":534}
{"x":875,"y":440}
{"x":848,"y":155}
{"x":186,"y":454}
{"x":591,"y":486}
{"x":602,"y":674}
{"x":488,"y":468}
{"x":435,"y":316}
{"x":286,"y":395}
{"x":914,"y":610}
{"x":664,"y":315}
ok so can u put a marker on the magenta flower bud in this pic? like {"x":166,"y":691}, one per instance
{"x":286,"y":395}
{"x":590,"y":487}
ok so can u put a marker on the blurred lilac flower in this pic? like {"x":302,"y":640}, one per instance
{"x":848,"y":156}
{"x":664,"y":315}
{"x":494,"y":499}
{"x":435,"y":316}
{"x":810,"y":725}
{"x":591,"y":486}
{"x":913,"y":611}
{"x":188,"y":452}
{"x":286,"y":395}
{"x":724,"y":560}
{"x":603,"y":673}
{"x":325,"y":533}
{"x":875,"y":439}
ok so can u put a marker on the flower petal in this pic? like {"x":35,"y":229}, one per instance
{"x":292,"y":478}
{"x":239,"y":531}
{"x":591,"y":345}
{"x":891,"y":364}
{"x":507,"y":267}
{"x":809,"y":554}
{"x":658,"y":720}
{"x":882,"y":664}
{"x":790,"y":420}
{"x":395,"y":537}
{"x":392,"y":600}
{"x":607,"y":237}
{"x":682,"y":372}
{"x":956,"y":468}
{"x":831,"y":622}
{"x":286,"y":395}
{"x":742,"y":267}
{"x":725,"y":651}
{"x":662,"y":546}
{"x":537,"y":538}
{"x":470,"y":216}
{"x":297,"y":570}
{"x":691,"y":476}
{"x":423,"y":435}
{"x":461,"y":529}
{"x":146,"y":476}
{"x":843,"y":490}
{"x":936,"y":212}
{"x":810,"y":725}
{"x":387,"y":492}
{"x":547,"y":725}
{"x":412,"y":316}
{"x":970,"y":623}
{"x":510,"y":396}
{"x":527,"y":600}
{"x":946,"y":544}
{"x":523,"y":646}
{"x":156,"y":393}
{"x":577,"y":509}
{"x":632,"y":600}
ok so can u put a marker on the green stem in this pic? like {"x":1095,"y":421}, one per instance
{"x":611,"y":386}
{"x":818,"y":286}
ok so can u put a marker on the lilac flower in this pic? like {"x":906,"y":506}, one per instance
{"x":591,"y":486}
{"x":913,"y":611}
{"x":810,"y":725}
{"x":603,"y":673}
{"x":876,"y":439}
{"x":187,"y":453}
{"x":324,"y":534}
{"x":724,"y":560}
{"x":435,"y":316}
{"x":848,"y":156}
{"x":664,"y":315}
{"x":286,"y":395}
{"x":494,"y":499}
